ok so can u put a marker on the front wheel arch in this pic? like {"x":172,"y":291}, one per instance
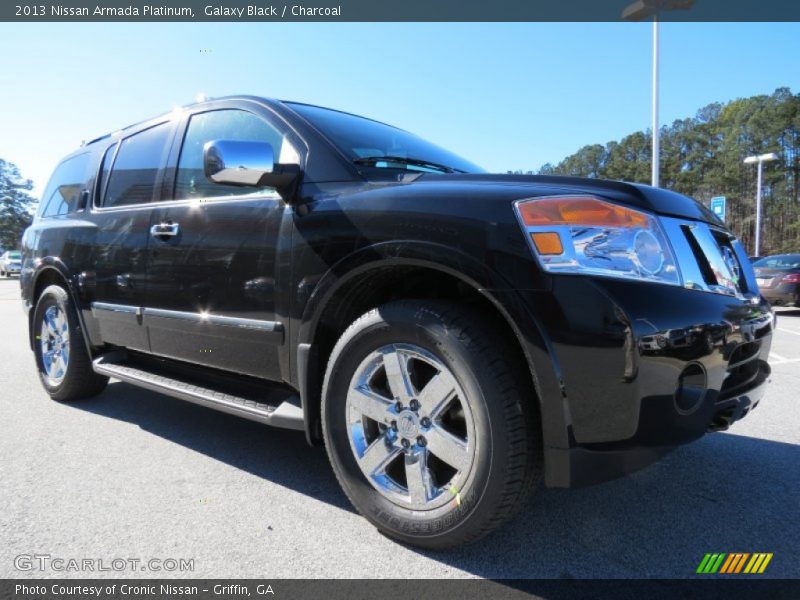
{"x":320,"y":333}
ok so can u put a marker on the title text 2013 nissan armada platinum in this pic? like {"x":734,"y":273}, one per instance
{"x":453,"y":337}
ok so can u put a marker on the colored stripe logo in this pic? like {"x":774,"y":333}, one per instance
{"x":734,"y":562}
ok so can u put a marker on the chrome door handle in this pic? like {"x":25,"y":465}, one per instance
{"x":165,"y":230}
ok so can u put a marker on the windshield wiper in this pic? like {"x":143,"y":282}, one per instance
{"x":371,"y":161}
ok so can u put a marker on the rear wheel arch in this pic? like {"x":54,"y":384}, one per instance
{"x":62,"y":359}
{"x":53,"y":273}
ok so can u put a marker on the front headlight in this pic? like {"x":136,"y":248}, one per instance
{"x":586,"y":235}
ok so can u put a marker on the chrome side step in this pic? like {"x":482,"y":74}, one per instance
{"x":288,"y":414}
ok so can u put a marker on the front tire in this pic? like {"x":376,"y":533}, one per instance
{"x":64,"y":365}
{"x":430,"y":423}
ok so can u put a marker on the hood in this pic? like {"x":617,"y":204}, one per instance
{"x":635,"y":195}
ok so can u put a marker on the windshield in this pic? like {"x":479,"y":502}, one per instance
{"x":783,"y":261}
{"x":365,"y":141}
{"x":14,"y":255}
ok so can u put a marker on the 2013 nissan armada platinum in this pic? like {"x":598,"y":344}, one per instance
{"x":454,"y":338}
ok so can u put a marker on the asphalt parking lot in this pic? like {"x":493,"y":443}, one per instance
{"x":133,"y":474}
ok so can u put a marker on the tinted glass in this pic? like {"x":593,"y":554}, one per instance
{"x":358,"y":138}
{"x":783,"y":261}
{"x":235,"y":125}
{"x":105,"y":167}
{"x":64,"y":188}
{"x":133,"y":176}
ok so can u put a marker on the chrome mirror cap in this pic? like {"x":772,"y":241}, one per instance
{"x":236,"y":162}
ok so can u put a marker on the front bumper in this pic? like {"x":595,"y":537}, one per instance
{"x":646,"y":367}
{"x":587,"y":465}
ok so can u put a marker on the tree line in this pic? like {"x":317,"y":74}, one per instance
{"x":702,"y":157}
{"x":16,"y":204}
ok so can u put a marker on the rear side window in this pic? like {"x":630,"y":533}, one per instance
{"x":784,"y":261}
{"x":65,"y":186}
{"x":132,"y":179}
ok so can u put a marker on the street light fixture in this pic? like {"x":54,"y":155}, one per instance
{"x":760,"y":159}
{"x":644,"y":9}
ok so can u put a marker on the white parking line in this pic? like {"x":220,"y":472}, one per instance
{"x":777,"y":356}
{"x":788,"y":330}
{"x":785,"y":362}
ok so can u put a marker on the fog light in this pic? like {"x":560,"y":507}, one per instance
{"x":691,"y":389}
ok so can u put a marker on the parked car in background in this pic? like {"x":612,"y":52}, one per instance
{"x":779,"y":279}
{"x":10,"y":263}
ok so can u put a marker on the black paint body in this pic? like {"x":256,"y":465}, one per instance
{"x":606,"y":390}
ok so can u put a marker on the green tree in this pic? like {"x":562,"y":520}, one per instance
{"x":702,"y":157}
{"x":16,"y":205}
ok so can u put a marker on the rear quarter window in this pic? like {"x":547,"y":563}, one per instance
{"x":65,"y":186}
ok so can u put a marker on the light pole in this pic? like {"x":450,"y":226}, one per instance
{"x":644,"y":9}
{"x":760,"y":159}
{"x":656,"y":160}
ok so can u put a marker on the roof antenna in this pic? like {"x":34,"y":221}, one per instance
{"x":200,"y":97}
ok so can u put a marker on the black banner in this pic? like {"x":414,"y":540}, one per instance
{"x":405,"y":11}
{"x":349,"y":589}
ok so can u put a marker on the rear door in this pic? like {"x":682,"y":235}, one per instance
{"x":211,"y":295}
{"x":129,"y":181}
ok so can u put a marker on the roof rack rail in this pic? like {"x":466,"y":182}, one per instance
{"x":97,"y":139}
{"x":198,"y":99}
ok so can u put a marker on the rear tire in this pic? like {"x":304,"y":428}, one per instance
{"x":461,"y":453}
{"x":64,"y":365}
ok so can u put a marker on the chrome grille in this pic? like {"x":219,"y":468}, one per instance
{"x":710,"y":259}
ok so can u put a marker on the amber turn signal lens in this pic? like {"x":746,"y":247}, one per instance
{"x":579,"y":210}
{"x":547,"y":242}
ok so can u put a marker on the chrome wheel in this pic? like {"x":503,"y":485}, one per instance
{"x":410,"y":427}
{"x":54,"y":344}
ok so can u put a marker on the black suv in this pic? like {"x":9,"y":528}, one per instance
{"x":453,"y":337}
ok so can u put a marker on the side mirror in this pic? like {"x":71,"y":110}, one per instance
{"x":238,"y":163}
{"x":234,"y":162}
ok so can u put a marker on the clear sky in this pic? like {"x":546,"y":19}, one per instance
{"x":506,"y":96}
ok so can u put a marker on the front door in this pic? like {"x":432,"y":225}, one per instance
{"x":211,"y":293}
